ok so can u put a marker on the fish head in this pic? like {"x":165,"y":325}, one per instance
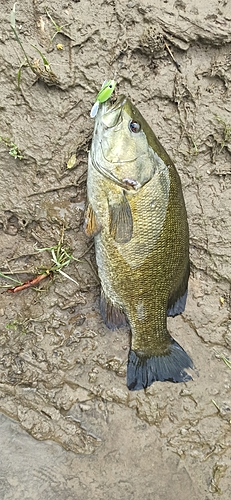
{"x":120,"y":146}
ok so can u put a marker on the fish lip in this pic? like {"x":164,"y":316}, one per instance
{"x":111,"y":115}
{"x":120,"y":101}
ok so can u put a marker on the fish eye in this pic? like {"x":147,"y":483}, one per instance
{"x":134,"y":126}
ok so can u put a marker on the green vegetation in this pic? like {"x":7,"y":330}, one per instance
{"x":224,"y":358}
{"x":61,"y":257}
{"x":226,"y":132}
{"x":45,"y":72}
{"x":59,"y":29}
{"x":3,"y":275}
{"x":19,"y":326}
{"x":13,"y":148}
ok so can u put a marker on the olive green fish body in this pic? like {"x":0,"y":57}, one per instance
{"x":141,"y":241}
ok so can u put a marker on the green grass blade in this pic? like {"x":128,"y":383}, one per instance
{"x":9,"y":278}
{"x":67,"y":276}
{"x":19,"y":76}
{"x":45,"y":61}
{"x":13,"y":26}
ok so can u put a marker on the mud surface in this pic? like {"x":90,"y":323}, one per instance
{"x":62,"y":372}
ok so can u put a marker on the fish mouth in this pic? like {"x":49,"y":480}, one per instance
{"x":113,"y":113}
{"x":120,"y":101}
{"x":126,"y":183}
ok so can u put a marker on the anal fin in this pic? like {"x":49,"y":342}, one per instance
{"x":113,"y":316}
{"x":91,"y":225}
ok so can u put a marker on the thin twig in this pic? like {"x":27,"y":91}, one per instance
{"x":86,"y":251}
{"x":172,"y":57}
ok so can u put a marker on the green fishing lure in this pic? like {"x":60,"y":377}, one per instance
{"x":104,"y":94}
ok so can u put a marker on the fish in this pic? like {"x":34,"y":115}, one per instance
{"x":137,"y":216}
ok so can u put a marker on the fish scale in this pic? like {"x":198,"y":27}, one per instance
{"x":138,"y":218}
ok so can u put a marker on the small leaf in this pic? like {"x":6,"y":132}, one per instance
{"x":12,"y":16}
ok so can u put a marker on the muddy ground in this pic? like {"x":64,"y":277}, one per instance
{"x":69,"y":427}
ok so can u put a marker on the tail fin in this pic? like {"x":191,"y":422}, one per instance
{"x":143,"y":370}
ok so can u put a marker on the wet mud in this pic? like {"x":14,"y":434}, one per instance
{"x":69,"y":426}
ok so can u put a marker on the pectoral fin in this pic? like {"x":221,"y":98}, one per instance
{"x":121,"y":223}
{"x":113,"y":316}
{"x":91,"y":225}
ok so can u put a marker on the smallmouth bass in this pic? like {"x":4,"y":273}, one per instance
{"x":136,"y":213}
